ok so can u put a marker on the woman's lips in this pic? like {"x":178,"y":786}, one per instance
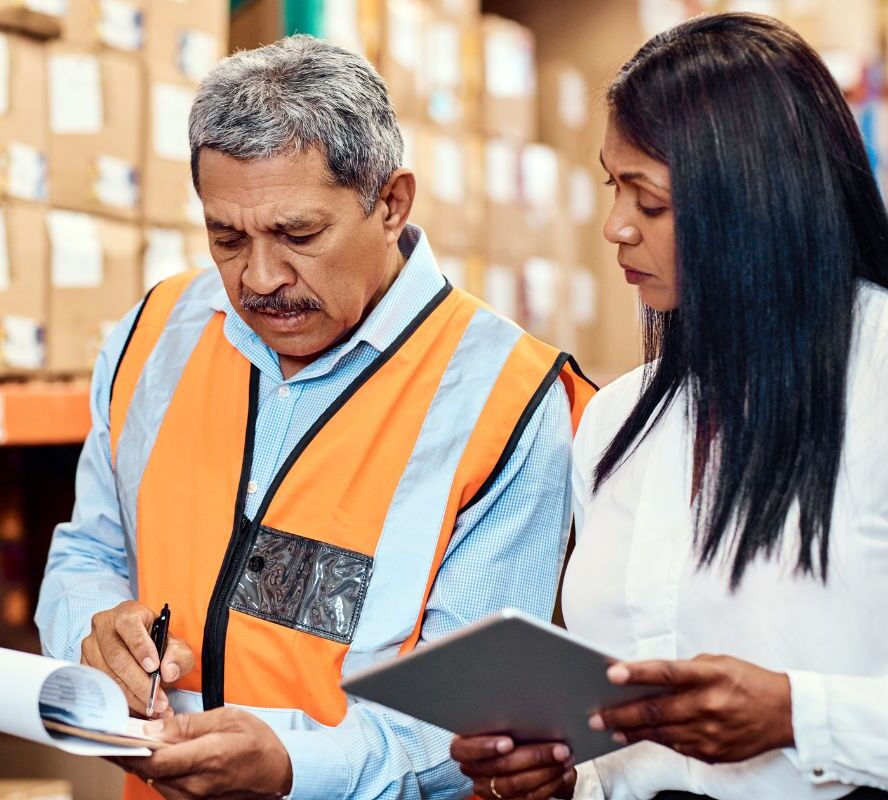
{"x":633,"y":276}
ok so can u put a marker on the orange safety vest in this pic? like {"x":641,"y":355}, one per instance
{"x":335,"y":570}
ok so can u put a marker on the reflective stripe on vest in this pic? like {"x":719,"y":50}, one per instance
{"x":368,"y":499}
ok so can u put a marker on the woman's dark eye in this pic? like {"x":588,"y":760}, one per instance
{"x":650,"y":212}
{"x":610,"y":182}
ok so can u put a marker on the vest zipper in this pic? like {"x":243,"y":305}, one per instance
{"x":216,"y":626}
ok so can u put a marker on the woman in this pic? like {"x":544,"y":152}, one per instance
{"x":732,"y":496}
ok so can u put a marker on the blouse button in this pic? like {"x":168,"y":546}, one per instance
{"x":818,"y":773}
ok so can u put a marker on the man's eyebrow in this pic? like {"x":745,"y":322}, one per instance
{"x":296,"y":222}
{"x":220,"y":227}
{"x":628,"y":177}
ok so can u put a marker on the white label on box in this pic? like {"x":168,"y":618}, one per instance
{"x":75,"y":94}
{"x":581,"y":189}
{"x":117,"y":182}
{"x":341,"y":24}
{"x":540,"y":290}
{"x":22,"y":342}
{"x":194,"y":211}
{"x":572,"y":99}
{"x":121,"y":25}
{"x":26,"y":172}
{"x":169,"y":114}
{"x":539,"y":173}
{"x":4,"y":254}
{"x":442,"y":61}
{"x":501,"y":290}
{"x":4,"y":73}
{"x":404,"y":32}
{"x":449,"y":184}
{"x":444,"y":107}
{"x":76,"y":250}
{"x":408,"y":134}
{"x":502,"y":170}
{"x":55,"y":8}
{"x":198,"y":52}
{"x":583,"y":297}
{"x":164,"y":255}
{"x":508,"y":65}
{"x":454,"y":269}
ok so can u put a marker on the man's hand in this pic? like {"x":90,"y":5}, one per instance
{"x":224,"y":753}
{"x":120,"y":645}
{"x":717,"y":709}
{"x":527,"y":772}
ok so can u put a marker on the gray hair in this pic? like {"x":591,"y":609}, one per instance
{"x":298,"y":93}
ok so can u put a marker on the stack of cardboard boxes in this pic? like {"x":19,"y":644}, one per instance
{"x":94,"y":174}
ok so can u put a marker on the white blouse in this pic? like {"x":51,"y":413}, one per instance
{"x":634,"y":590}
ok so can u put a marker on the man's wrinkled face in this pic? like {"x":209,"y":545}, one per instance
{"x":300,"y":259}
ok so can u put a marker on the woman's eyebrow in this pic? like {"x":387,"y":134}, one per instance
{"x":626,"y":177}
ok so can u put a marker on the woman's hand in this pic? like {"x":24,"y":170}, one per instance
{"x":499,"y":769}
{"x":718,"y":708}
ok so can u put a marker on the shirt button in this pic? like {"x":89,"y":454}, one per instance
{"x":283,"y":391}
{"x":818,"y":773}
{"x":252,"y":486}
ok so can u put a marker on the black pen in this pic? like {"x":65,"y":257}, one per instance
{"x":159,"y":632}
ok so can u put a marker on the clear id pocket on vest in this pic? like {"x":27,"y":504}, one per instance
{"x":304,"y":584}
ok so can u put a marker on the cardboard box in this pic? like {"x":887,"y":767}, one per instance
{"x":35,"y":790}
{"x":509,"y":104}
{"x":465,"y":11}
{"x":114,"y":24}
{"x":169,"y":198}
{"x":96,"y":123}
{"x":504,"y":236}
{"x":185,"y":38}
{"x":24,"y":260}
{"x":42,"y":19}
{"x":24,"y":135}
{"x":94,"y":280}
{"x":564,"y":110}
{"x":403,"y":23}
{"x":169,"y":251}
{"x":255,"y":23}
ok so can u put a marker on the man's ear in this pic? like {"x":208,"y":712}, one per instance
{"x":397,"y":198}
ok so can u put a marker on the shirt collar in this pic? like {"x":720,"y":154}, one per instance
{"x":419,"y":281}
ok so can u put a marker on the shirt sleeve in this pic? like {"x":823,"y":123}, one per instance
{"x":506,"y":551}
{"x":637,"y":772}
{"x":87,"y":569}
{"x":840,"y":724}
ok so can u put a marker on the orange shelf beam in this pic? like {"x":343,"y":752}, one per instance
{"x":44,"y":412}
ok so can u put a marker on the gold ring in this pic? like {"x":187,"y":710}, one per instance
{"x":149,"y":781}
{"x":493,"y":790}
{"x":677,"y":747}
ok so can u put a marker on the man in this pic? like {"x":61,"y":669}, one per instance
{"x":319,"y":455}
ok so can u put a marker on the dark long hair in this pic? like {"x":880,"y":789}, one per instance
{"x":777,"y":214}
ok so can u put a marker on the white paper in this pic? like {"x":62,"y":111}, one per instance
{"x":341,"y":24}
{"x":76,"y":250}
{"x":83,"y":695}
{"x":581,"y":191}
{"x":116,"y":183}
{"x":540,"y":290}
{"x":121,"y":25}
{"x":408,"y":134}
{"x":502,"y":171}
{"x":164,"y":255}
{"x":171,"y":105}
{"x":75,"y":94}
{"x":508,"y":65}
{"x":404,"y":32}
{"x":572,"y":99}
{"x":4,"y":254}
{"x":539,"y":169}
{"x":4,"y":73}
{"x":449,"y":184}
{"x":55,"y":8}
{"x":21,"y":347}
{"x":198,"y":52}
{"x":501,"y":290}
{"x":454,"y":269}
{"x":442,"y":58}
{"x":26,"y":172}
{"x":583,"y":297}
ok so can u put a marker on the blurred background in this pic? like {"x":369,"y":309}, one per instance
{"x":502,"y":107}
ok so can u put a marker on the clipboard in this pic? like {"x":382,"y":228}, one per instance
{"x":507,"y":674}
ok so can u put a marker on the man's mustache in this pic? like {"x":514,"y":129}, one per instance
{"x":278,"y":303}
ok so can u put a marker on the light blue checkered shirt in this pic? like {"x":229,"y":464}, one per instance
{"x":506,"y":549}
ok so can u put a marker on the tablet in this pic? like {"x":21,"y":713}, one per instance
{"x":509,"y":674}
